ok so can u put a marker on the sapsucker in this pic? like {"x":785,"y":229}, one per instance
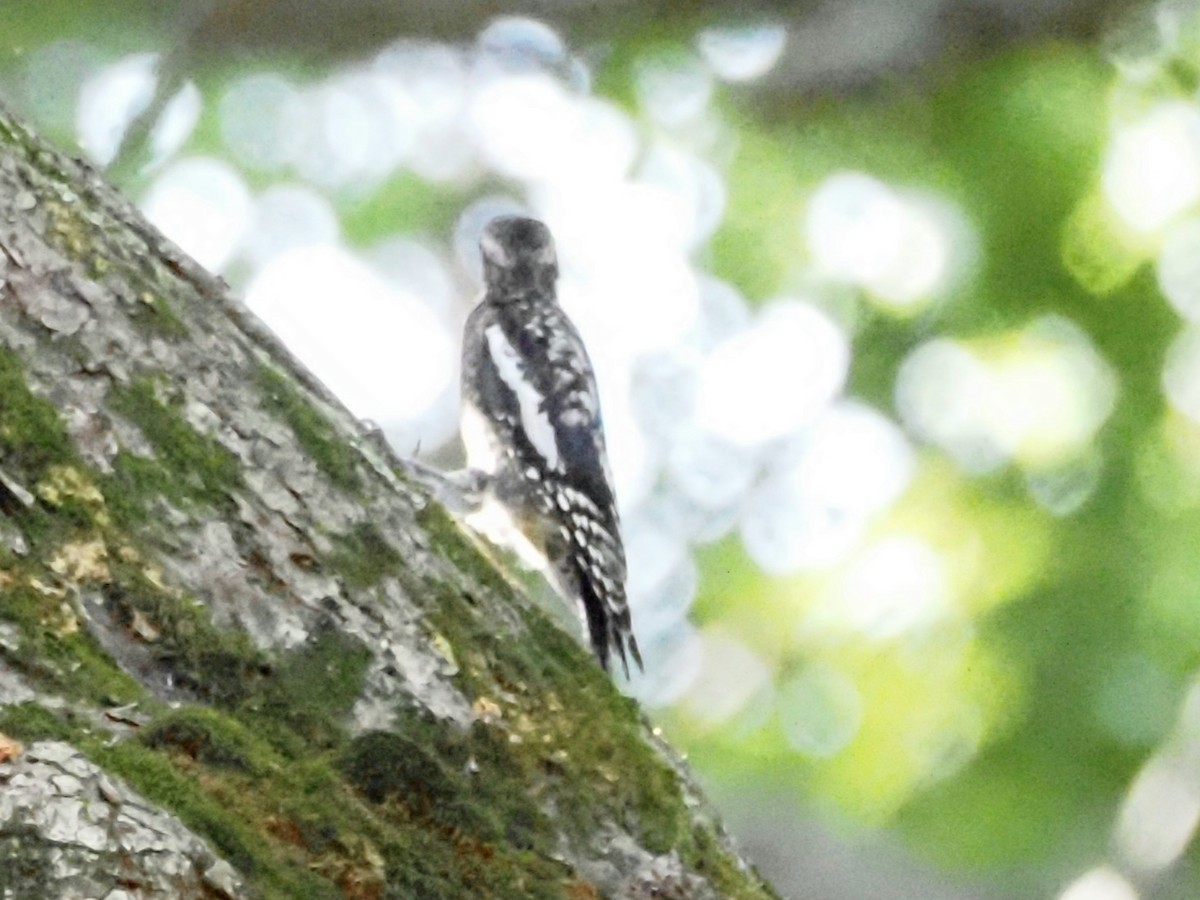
{"x":533,"y":433}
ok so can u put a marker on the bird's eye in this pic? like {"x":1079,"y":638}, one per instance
{"x":493,"y":250}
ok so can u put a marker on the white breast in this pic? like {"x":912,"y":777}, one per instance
{"x":478,"y":440}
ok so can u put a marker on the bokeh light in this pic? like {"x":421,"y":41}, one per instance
{"x":1152,"y":171}
{"x":817,"y":498}
{"x":1181,"y":373}
{"x":524,"y":125}
{"x":1161,"y":810}
{"x":896,"y":585}
{"x":1100,"y":884}
{"x":109,"y":101}
{"x":822,"y":711}
{"x":1159,"y":816}
{"x":404,"y":345}
{"x":1179,"y":268}
{"x":287,"y":216}
{"x":742,"y":53}
{"x":902,"y":397}
{"x":255,"y":115}
{"x":674,"y":90}
{"x":731,"y":678}
{"x":352,"y":130}
{"x":517,"y":45}
{"x":203,"y":204}
{"x":774,"y":377}
{"x":112,"y":97}
{"x":1036,"y":397}
{"x":863,"y":232}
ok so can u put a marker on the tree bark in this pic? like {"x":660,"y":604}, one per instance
{"x":242,"y":653}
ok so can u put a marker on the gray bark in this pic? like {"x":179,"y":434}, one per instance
{"x":246,"y":654}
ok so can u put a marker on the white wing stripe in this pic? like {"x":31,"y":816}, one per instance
{"x":534,"y":420}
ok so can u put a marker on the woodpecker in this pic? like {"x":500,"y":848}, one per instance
{"x":534,"y":437}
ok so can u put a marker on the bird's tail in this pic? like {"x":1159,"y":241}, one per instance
{"x":600,"y":577}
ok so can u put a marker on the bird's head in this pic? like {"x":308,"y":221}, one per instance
{"x":518,"y":256}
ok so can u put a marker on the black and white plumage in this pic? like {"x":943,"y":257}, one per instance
{"x":532,"y":427}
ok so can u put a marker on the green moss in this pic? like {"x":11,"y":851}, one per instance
{"x":263,"y":772}
{"x":189,"y":465}
{"x":465,"y":781}
{"x":609,"y":772}
{"x":418,"y":824}
{"x":614,"y":775}
{"x":56,"y":651}
{"x":251,"y":777}
{"x":134,"y":483}
{"x":587,"y":756}
{"x":156,"y":314}
{"x":384,"y":766}
{"x":39,"y":528}
{"x":270,"y":777}
{"x":209,"y":737}
{"x":295,"y":700}
{"x":216,"y":665}
{"x":362,"y":557}
{"x":208,"y":806}
{"x":706,"y":857}
{"x":322,"y":444}
{"x":27,"y":863}
{"x":447,"y":538}
{"x":304,"y":702}
{"x":70,"y":505}
{"x":456,"y":833}
{"x":581,"y":752}
{"x":31,"y":721}
{"x":278,"y":818}
{"x":73,"y":234}
{"x":474,"y":677}
{"x":11,"y":133}
{"x":32,"y":436}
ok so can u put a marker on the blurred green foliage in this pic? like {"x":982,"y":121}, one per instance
{"x":1082,"y":632}
{"x":1083,"y":659}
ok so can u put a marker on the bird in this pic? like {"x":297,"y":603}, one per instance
{"x":534,"y":436}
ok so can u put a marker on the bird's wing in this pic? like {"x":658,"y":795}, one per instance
{"x":552,"y":379}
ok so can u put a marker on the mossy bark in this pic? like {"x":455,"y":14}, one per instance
{"x":222,"y":603}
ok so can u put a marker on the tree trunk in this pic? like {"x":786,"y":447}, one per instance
{"x":243,"y":655}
